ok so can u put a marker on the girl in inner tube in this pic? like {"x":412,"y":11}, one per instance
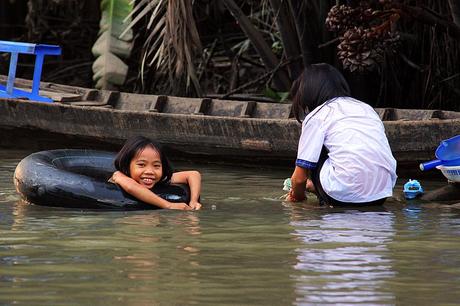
{"x":141,"y":164}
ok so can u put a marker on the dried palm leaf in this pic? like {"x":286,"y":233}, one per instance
{"x":172,"y":41}
{"x":109,"y":69}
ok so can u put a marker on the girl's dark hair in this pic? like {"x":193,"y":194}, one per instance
{"x":317,"y":84}
{"x":132,"y":148}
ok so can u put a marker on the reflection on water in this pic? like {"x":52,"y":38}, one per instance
{"x":246,"y":247}
{"x":344,"y":257}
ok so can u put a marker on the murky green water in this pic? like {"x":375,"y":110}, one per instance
{"x":244,"y":248}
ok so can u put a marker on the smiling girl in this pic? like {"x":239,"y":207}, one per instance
{"x":141,"y":164}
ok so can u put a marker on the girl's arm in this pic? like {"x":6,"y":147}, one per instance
{"x":193,"y":180}
{"x":143,"y":194}
{"x":298,"y":184}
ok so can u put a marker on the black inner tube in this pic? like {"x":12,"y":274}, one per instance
{"x":79,"y":179}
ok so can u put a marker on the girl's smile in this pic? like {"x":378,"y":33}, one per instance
{"x":146,"y":168}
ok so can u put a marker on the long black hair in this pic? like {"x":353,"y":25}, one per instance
{"x":317,"y":84}
{"x":135,"y":146}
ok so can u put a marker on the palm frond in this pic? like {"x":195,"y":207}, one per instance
{"x":172,"y":41}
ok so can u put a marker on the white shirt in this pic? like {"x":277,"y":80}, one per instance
{"x":360,"y":167}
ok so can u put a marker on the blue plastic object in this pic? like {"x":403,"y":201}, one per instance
{"x":412,"y":189}
{"x":447,"y":154}
{"x":16,"y":48}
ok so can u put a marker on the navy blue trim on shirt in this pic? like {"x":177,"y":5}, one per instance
{"x":305,"y":164}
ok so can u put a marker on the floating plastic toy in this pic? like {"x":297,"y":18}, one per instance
{"x":287,"y":184}
{"x":412,"y":189}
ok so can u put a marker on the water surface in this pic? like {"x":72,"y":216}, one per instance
{"x":246,"y":247}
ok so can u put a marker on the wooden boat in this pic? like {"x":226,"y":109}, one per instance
{"x":217,"y":129}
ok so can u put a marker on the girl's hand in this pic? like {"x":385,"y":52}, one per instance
{"x":195,"y":205}
{"x":291,"y":198}
{"x":193,"y":180}
{"x":179,"y":206}
{"x":113,"y":179}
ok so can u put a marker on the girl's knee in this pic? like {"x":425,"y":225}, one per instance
{"x":310,"y":186}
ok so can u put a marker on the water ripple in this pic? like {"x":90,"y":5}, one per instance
{"x":347,"y":254}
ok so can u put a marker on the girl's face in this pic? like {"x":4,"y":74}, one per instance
{"x":145,"y":168}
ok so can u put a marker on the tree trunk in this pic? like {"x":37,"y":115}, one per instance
{"x":455,"y":9}
{"x":304,"y":36}
{"x":285,"y":21}
{"x":281,"y":78}
{"x":427,"y":17}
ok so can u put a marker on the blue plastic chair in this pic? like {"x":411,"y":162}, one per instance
{"x":39,"y":50}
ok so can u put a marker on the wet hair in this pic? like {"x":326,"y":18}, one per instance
{"x":133,"y":147}
{"x":317,"y":84}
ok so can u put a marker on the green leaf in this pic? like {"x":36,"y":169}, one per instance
{"x":109,"y":69}
{"x":283,"y":95}
{"x":270,"y":93}
{"x":279,"y":96}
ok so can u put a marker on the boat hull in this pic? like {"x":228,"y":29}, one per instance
{"x":213,"y":128}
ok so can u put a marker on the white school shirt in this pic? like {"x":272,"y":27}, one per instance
{"x":360,"y":167}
